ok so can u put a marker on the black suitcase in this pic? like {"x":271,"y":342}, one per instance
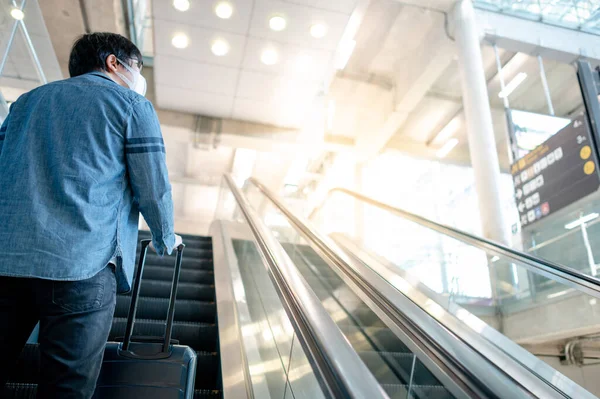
{"x":148,"y":367}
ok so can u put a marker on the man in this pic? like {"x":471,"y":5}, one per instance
{"x":77,"y":159}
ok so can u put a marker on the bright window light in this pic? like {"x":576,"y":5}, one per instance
{"x":181,"y":5}
{"x":277,"y":23}
{"x":512,"y":86}
{"x":224,"y":10}
{"x":330,"y":114}
{"x":345,"y":53}
{"x":17,"y":14}
{"x":581,"y":220}
{"x":495,"y":259}
{"x":447,"y":148}
{"x":269,"y":57}
{"x":318,"y":31}
{"x":220,"y":47}
{"x":180,"y":40}
{"x":243,"y":165}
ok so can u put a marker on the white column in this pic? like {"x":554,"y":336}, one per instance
{"x":482,"y":143}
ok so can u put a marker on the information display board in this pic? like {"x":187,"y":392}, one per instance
{"x":557,"y":173}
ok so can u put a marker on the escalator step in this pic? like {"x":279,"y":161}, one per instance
{"x":204,"y":263}
{"x":162,"y":289}
{"x":198,"y":336}
{"x":417,"y":391}
{"x":423,"y":376}
{"x":27,"y":369}
{"x":379,"y":339}
{"x":156,"y":308}
{"x":191,"y":253}
{"x":389,"y":367}
{"x":207,"y":394}
{"x":165,"y":273}
{"x":14,"y":390}
{"x":207,"y":370}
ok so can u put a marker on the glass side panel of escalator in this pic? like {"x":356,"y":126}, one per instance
{"x":523,"y":304}
{"x":395,"y":366}
{"x":277,"y":365}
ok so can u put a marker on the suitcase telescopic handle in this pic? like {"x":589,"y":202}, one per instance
{"x":125,"y":347}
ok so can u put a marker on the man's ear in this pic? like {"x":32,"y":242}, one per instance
{"x":111,"y":63}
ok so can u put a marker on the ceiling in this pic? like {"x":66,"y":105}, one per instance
{"x":400,"y":83}
{"x":395,"y":44}
{"x":238,"y":85}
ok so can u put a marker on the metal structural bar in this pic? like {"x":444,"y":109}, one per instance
{"x":341,"y":371}
{"x":461,"y":351}
{"x":30,"y":47}
{"x":574,"y":278}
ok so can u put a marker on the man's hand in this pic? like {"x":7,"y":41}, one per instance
{"x":178,"y":242}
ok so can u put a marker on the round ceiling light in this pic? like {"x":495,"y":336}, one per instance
{"x":269,"y":57}
{"x":180,"y":40}
{"x":318,"y":31}
{"x":224,"y":10}
{"x":220,"y":47}
{"x":181,"y":5}
{"x":277,"y":23}
{"x":17,"y":14}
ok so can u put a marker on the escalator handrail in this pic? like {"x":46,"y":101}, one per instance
{"x":525,"y":377}
{"x":337,"y":363}
{"x":567,"y":275}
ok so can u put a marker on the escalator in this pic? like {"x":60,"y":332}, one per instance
{"x":304,"y":315}
{"x":374,"y":291}
{"x":392,"y":363}
{"x":195,"y":318}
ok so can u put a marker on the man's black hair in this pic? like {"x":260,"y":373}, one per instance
{"x":90,"y":51}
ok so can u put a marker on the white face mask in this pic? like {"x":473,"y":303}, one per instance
{"x":139,"y":82}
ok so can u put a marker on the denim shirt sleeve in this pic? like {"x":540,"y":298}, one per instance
{"x":148,"y":175}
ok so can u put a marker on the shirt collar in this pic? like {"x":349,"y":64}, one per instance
{"x":102,"y":75}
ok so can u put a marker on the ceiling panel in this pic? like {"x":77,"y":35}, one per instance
{"x":200,"y":41}
{"x":194,"y":101}
{"x":343,"y":6}
{"x":299,"y":21}
{"x":265,"y":87}
{"x":180,"y":73}
{"x":430,"y":114}
{"x":243,"y":86}
{"x":275,"y":112}
{"x":294,"y":61}
{"x":201,"y":14}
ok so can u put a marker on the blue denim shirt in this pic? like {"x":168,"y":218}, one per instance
{"x":78,"y":158}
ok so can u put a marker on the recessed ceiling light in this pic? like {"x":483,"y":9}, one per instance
{"x":220,"y":47}
{"x":17,"y":14}
{"x":224,"y":10}
{"x":180,"y":40}
{"x":181,"y":5}
{"x":318,"y":31}
{"x":269,"y":57}
{"x":277,"y":23}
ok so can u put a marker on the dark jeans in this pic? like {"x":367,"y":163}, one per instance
{"x":75,"y":319}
